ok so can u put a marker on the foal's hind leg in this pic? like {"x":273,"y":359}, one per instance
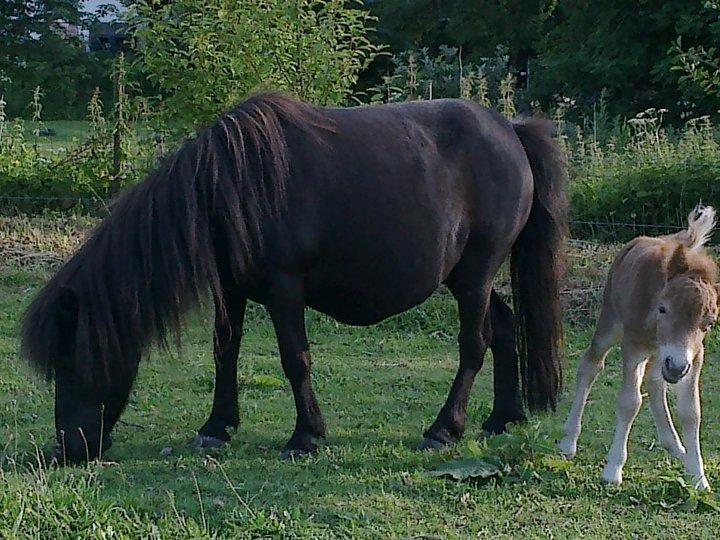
{"x":224,"y":414}
{"x":628,"y":405}
{"x":607,"y":334}
{"x":472,"y":293}
{"x":507,"y":403}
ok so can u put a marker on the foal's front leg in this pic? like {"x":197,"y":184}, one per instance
{"x":628,"y":405}
{"x":287,"y":310}
{"x":657,"y":394}
{"x":592,"y":363}
{"x":688,"y":404}
{"x":226,"y":345}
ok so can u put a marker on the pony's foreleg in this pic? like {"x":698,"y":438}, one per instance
{"x":590,"y":366}
{"x":628,"y":405}
{"x":474,"y":332}
{"x":657,"y":395}
{"x":287,"y":311}
{"x":507,"y":402}
{"x":226,"y":345}
{"x":688,"y":404}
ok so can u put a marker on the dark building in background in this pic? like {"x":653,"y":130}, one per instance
{"x":109,"y":36}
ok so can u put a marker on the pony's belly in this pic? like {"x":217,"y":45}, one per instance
{"x":359,"y":308}
{"x":367,"y":286}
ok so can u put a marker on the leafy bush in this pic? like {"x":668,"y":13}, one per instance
{"x":207,"y":55}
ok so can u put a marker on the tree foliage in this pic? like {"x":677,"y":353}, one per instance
{"x":577,"y":48}
{"x":622,"y":47}
{"x":479,"y":26}
{"x":205,"y":55}
{"x":699,"y":64}
{"x":38,"y":47}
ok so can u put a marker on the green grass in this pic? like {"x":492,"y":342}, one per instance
{"x":379,"y":388}
{"x":67,"y":133}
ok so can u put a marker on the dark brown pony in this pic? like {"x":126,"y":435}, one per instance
{"x":360,"y":213}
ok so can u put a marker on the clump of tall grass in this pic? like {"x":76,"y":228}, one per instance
{"x":39,"y":503}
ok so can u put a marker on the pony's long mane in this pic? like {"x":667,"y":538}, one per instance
{"x":155,"y":256}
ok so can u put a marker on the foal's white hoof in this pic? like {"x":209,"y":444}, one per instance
{"x":568,"y":447}
{"x":702,"y":484}
{"x":675,"y":449}
{"x":612,"y":476}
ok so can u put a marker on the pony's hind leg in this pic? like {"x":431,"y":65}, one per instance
{"x":507,"y":402}
{"x":472,"y":293}
{"x":657,"y":396}
{"x":628,"y":405}
{"x":287,"y":311}
{"x":226,"y":345}
{"x":607,"y":334}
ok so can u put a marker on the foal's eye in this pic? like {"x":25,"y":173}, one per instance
{"x":662,"y":309}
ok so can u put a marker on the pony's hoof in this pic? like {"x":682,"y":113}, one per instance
{"x":568,"y":448}
{"x":301,"y":444}
{"x":431,"y":444}
{"x":497,"y":423}
{"x":295,"y":453}
{"x":206,"y":441}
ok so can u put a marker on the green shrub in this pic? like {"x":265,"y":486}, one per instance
{"x":646,"y":186}
{"x":206,"y":55}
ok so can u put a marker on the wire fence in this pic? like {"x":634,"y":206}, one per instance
{"x":609,"y":230}
{"x":42,"y":239}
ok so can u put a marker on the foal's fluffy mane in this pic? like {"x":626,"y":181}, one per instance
{"x":155,"y":256}
{"x":702,"y":266}
{"x":701,"y":222}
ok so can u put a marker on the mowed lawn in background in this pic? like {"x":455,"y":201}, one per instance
{"x":67,"y":133}
{"x":379,"y":388}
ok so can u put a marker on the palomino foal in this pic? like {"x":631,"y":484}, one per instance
{"x":660,"y":299}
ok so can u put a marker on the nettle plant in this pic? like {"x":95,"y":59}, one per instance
{"x":206,"y":55}
{"x":115,"y":152}
{"x":419,"y":74}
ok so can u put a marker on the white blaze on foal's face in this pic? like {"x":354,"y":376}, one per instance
{"x":686,"y":311}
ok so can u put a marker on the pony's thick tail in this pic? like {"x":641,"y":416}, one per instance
{"x":536,"y":268}
{"x":701,"y":223}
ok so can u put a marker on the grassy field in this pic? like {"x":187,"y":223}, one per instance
{"x":379,"y":387}
{"x":67,"y":133}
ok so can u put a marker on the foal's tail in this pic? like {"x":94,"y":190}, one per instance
{"x":701,"y":223}
{"x":536,"y":268}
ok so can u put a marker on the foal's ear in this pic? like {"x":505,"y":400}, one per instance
{"x":678,"y":263}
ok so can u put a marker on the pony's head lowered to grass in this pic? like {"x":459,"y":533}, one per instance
{"x":152,"y":259}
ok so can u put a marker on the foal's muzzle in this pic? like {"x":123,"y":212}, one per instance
{"x":672,"y":372}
